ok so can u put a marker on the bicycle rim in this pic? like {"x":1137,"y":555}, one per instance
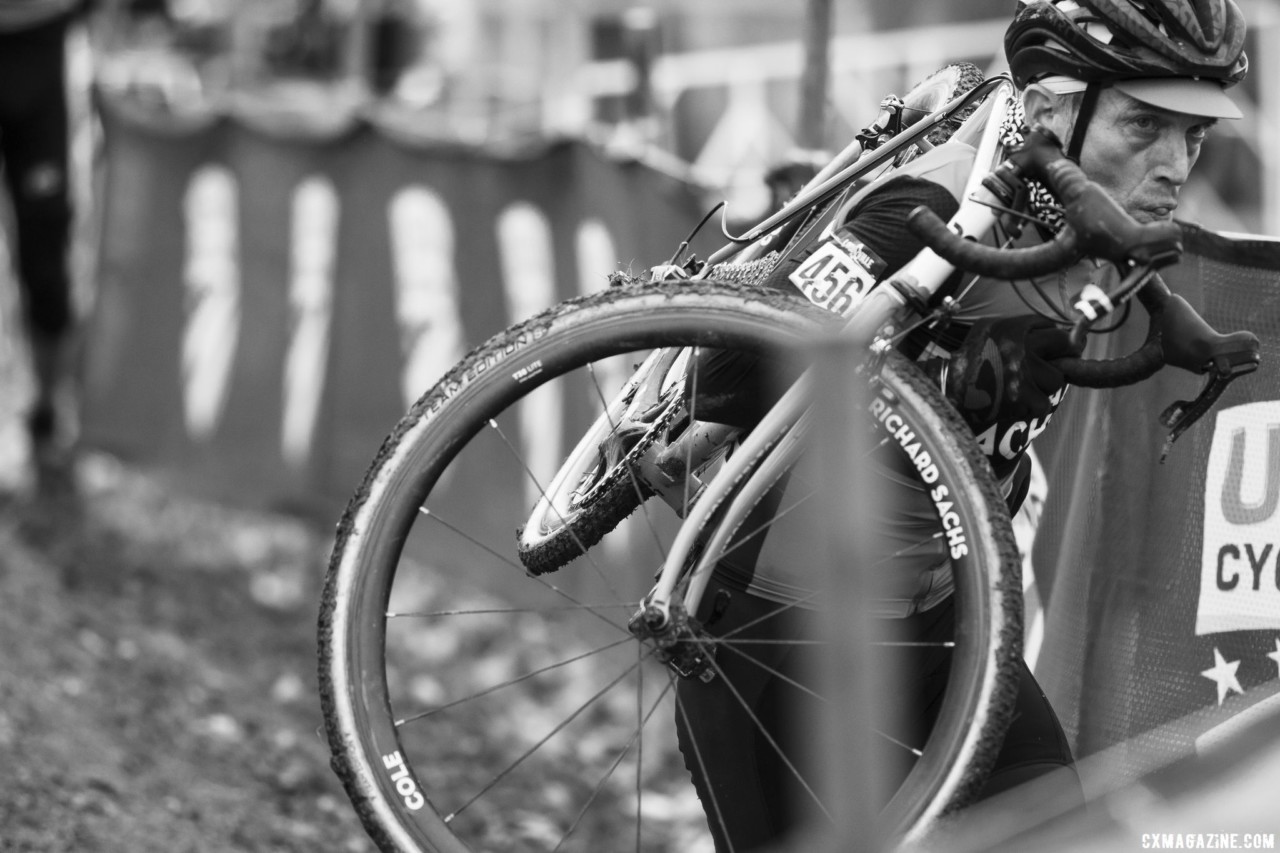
{"x":470,"y":707}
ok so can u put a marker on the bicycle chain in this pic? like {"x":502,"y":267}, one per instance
{"x":750,"y":274}
{"x":629,"y":462}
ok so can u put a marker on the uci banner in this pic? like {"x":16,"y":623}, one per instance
{"x":1240,"y":556}
{"x":1162,"y":580}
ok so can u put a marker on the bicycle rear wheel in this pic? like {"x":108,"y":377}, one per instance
{"x":471,"y":707}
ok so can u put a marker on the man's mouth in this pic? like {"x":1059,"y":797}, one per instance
{"x":1157,"y":212}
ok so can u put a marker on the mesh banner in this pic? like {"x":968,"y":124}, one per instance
{"x":270,"y":303}
{"x":1162,"y":581}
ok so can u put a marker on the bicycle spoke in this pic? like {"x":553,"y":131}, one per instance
{"x":510,"y":682}
{"x":711,"y":641}
{"x":488,"y":549}
{"x":916,"y":751}
{"x":769,"y":738}
{"x":506,"y":771}
{"x":585,"y":551}
{"x":543,"y":582}
{"x":703,"y":769}
{"x":742,"y":539}
{"x":907,"y":644}
{"x":786,"y":679}
{"x":640,"y":743}
{"x":783,"y":677}
{"x":777,"y":611}
{"x":732,"y":641}
{"x":902,"y":552}
{"x":636,"y":739}
{"x":728,"y":641}
{"x":430,"y":614}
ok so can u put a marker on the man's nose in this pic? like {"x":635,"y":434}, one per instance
{"x":1174,"y":155}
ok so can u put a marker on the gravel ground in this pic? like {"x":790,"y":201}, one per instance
{"x":157,"y":686}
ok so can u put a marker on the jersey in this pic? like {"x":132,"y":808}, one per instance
{"x":866,"y":242}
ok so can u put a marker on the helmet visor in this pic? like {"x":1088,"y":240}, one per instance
{"x":1182,"y":95}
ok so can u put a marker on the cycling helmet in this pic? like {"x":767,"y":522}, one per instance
{"x":1107,"y":41}
{"x":1175,"y":54}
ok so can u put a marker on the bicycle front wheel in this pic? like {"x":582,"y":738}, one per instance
{"x":471,"y":707}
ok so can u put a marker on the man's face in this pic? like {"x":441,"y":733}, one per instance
{"x":1141,"y":154}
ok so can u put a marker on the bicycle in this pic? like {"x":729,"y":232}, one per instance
{"x":377,"y":611}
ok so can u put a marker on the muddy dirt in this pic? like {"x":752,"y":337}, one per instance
{"x":157,"y":681}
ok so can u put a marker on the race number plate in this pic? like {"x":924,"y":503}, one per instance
{"x":838,"y":274}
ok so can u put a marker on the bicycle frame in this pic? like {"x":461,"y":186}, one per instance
{"x":774,"y":444}
{"x":846,"y":167}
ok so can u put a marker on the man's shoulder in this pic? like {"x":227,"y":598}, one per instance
{"x":948,"y":165}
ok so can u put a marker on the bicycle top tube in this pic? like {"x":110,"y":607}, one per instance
{"x":851,"y":164}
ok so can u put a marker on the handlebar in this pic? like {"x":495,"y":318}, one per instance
{"x":1097,"y":226}
{"x":1062,"y":251}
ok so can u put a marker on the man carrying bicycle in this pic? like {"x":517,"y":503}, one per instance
{"x":1130,"y":88}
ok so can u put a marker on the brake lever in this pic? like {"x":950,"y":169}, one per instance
{"x":888,"y":124}
{"x":1222,"y":371}
{"x":1188,"y":342}
{"x":1178,"y":337}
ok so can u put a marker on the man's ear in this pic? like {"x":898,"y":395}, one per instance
{"x":1043,"y":108}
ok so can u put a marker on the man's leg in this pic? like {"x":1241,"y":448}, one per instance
{"x":1035,"y":747}
{"x":35,"y":150}
{"x":735,"y":729}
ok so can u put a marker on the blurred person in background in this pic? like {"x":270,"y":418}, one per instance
{"x":35,"y":157}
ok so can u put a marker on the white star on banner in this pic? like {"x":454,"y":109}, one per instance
{"x":1223,"y":674}
{"x":1275,"y":656}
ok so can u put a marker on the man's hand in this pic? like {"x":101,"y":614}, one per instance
{"x":1004,"y":383}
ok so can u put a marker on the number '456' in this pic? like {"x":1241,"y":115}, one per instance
{"x":829,"y":278}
